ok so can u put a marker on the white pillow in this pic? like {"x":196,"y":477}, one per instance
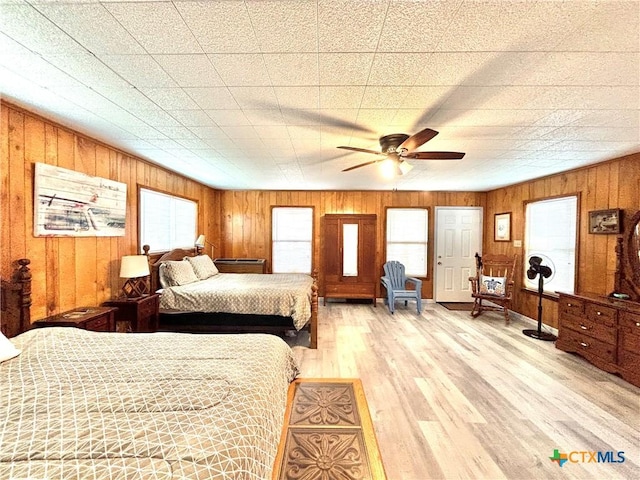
{"x":179,"y":273}
{"x":203,"y":266}
{"x":7,"y":349}
{"x":493,"y":285}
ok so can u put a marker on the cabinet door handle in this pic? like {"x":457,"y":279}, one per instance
{"x":584,"y":327}
{"x":585,"y":345}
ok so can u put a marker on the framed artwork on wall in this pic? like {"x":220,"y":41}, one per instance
{"x":502,"y":227}
{"x":73,"y":204}
{"x":605,"y":221}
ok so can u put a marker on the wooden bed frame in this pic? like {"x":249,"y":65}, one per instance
{"x":15,"y":301}
{"x":201,"y":322}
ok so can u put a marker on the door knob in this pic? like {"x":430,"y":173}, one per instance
{"x":439,"y":263}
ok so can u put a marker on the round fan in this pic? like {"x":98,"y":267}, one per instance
{"x":399,"y":146}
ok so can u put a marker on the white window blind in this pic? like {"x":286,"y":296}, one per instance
{"x":550,"y":233}
{"x":407,"y":238}
{"x":166,"y":221}
{"x":291,"y":236}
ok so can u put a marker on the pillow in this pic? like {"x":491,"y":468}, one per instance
{"x":203,"y":266}
{"x":492,"y":285}
{"x":179,"y":273}
{"x":7,"y":349}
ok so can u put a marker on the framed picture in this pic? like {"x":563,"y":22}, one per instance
{"x":502,"y":227}
{"x":605,"y":221}
{"x":73,"y":204}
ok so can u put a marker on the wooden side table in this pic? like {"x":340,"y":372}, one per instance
{"x":97,"y":319}
{"x":142,"y":314}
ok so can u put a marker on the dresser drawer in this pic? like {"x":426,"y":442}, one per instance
{"x":100,"y":324}
{"x":148,"y":307}
{"x":571,"y":306}
{"x":629,"y":322}
{"x":586,"y":326}
{"x":585,"y":345}
{"x":601,"y":314}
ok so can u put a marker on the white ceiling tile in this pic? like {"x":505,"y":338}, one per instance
{"x":272,"y":131}
{"x":254,"y":97}
{"x":341,"y":97}
{"x":292,"y":69}
{"x":384,"y":97}
{"x":264,"y":117}
{"x":91,"y":25}
{"x":205,"y":132}
{"x":241,"y":69}
{"x":212,"y":98}
{"x":170,"y":98}
{"x":284,"y":26}
{"x":191,"y":118}
{"x":86,"y":68}
{"x":345,"y":26}
{"x":190,"y":70}
{"x":228,"y":117}
{"x":157,"y":26}
{"x":139,"y":70}
{"x":298,"y":97}
{"x":344,"y":68}
{"x":131,"y":99}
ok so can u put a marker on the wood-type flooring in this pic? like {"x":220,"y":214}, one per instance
{"x":452,"y":397}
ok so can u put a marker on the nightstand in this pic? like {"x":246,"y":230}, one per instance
{"x":97,"y":319}
{"x":141,"y":313}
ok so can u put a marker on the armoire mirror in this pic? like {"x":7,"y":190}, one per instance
{"x":627,"y":279}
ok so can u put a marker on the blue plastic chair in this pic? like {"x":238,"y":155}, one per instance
{"x":396,"y":283}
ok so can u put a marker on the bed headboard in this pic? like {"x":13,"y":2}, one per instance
{"x":156,"y":259}
{"x":15,"y":301}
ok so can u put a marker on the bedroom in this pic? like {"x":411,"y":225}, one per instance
{"x":85,"y":271}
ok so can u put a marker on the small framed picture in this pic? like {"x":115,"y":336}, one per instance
{"x":502,"y":227}
{"x":605,"y":221}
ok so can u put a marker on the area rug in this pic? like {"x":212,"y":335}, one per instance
{"x":328,"y":433}
{"x":461,"y":306}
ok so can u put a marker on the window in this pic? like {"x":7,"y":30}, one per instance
{"x":167,"y":221}
{"x":550,"y":233}
{"x":291,"y":236}
{"x":407,"y":238}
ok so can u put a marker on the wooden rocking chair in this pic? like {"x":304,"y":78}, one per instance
{"x":494,"y":283}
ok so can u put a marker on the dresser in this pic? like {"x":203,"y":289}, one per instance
{"x":605,"y":331}
{"x":140,"y":314}
{"x":97,"y":319}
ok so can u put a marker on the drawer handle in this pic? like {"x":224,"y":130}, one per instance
{"x":584,"y":327}
{"x":585,"y":345}
{"x":637,"y":324}
{"x":569,"y":304}
{"x":598,"y":313}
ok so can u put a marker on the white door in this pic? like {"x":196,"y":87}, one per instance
{"x":458,"y":238}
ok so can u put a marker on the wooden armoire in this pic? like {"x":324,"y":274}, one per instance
{"x":349,"y":256}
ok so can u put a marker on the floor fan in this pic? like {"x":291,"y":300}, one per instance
{"x":536,"y":269}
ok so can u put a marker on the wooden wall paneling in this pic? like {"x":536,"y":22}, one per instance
{"x":16,"y":241}
{"x":52,"y":244}
{"x":5,"y":197}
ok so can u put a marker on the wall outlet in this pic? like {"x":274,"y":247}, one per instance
{"x":517,"y":243}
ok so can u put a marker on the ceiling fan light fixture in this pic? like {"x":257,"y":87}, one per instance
{"x":388,"y":168}
{"x":405,"y":167}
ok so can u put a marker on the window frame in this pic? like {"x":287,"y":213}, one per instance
{"x":140,"y":189}
{"x":427,"y":240}
{"x":551,"y":294}
{"x":313,"y":230}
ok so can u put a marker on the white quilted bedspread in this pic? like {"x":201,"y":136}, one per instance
{"x":284,"y":294}
{"x":86,"y":405}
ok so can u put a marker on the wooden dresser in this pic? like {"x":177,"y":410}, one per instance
{"x":605,"y":331}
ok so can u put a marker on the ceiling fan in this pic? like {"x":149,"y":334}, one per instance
{"x":397,"y":147}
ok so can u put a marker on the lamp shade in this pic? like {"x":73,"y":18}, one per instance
{"x":134,"y":266}
{"x":200,"y":241}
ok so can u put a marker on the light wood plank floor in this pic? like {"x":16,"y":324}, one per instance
{"x":455,"y":397}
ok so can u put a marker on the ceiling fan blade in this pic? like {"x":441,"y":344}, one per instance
{"x":361,"y":165}
{"x":417,"y":139}
{"x":362,"y":150}
{"x":434,"y":155}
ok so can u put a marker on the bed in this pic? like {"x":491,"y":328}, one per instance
{"x":82,"y":404}
{"x":231,"y":302}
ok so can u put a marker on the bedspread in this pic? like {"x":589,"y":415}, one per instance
{"x":284,"y":294}
{"x":80,"y":404}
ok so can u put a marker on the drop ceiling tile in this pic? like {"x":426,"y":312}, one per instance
{"x":191,"y":118}
{"x":170,"y":98}
{"x":272,"y":131}
{"x":208,"y":132}
{"x":345,"y":68}
{"x":130,"y":99}
{"x":264,"y":117}
{"x":242,"y":132}
{"x":292,"y":69}
{"x":157,"y":26}
{"x":145,"y":132}
{"x":158,"y":118}
{"x":177,"y":133}
{"x":241,"y":69}
{"x":30,"y":28}
{"x":228,"y":117}
{"x":384,"y":97}
{"x":86,"y":68}
{"x":298,"y":97}
{"x":282,"y":26}
{"x":139,"y":70}
{"x":220,"y":27}
{"x":213,"y":98}
{"x":423,"y":98}
{"x":341,"y":97}
{"x":397,"y":68}
{"x":254,"y":97}
{"x":92,"y":26}
{"x":345,"y":26}
{"x":190,"y":70}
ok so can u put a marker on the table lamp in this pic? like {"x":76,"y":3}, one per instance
{"x":135,"y":268}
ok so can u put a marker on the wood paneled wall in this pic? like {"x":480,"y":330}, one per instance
{"x":71,"y":272}
{"x":247,"y":218}
{"x":612,"y":184}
